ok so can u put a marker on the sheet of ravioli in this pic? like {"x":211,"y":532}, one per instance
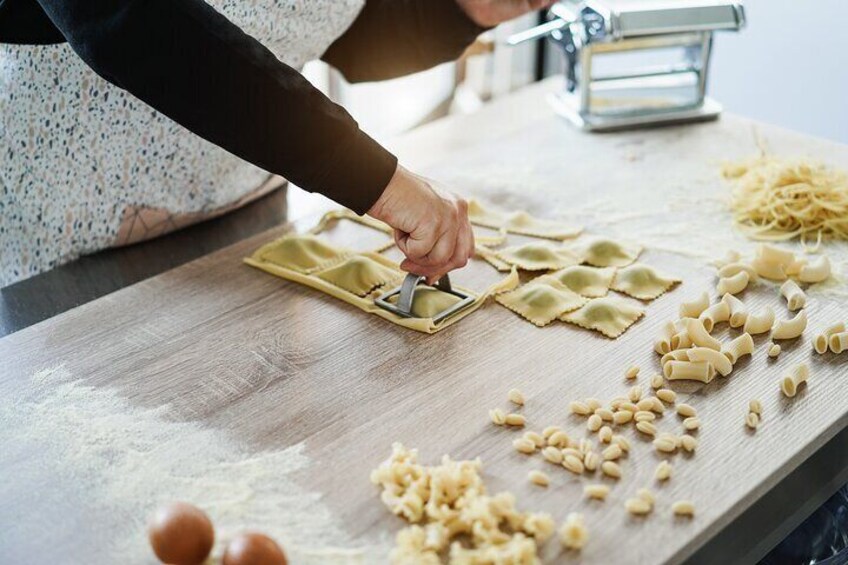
{"x":602,"y":252}
{"x":362,"y":273}
{"x":538,"y":256}
{"x":541,"y":300}
{"x":592,"y":282}
{"x":302,"y":253}
{"x":610,"y":315}
{"x":642,"y":281}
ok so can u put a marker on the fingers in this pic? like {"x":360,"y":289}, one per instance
{"x":461,"y":243}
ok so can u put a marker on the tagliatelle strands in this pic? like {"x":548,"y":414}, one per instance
{"x":777,"y":199}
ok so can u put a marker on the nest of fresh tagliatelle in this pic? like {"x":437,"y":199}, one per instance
{"x":779,"y":199}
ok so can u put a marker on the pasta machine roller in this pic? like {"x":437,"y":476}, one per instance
{"x":406,"y":294}
{"x":631,"y":63}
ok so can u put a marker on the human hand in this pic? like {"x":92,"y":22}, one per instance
{"x":489,"y":13}
{"x":431,"y":226}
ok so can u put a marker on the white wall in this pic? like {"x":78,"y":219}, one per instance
{"x":789,"y":66}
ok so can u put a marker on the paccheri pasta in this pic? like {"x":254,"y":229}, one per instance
{"x":821,"y":342}
{"x":759,"y":323}
{"x":733,"y":285}
{"x":739,"y":346}
{"x":738,"y":311}
{"x":694,"y":308}
{"x":715,"y":314}
{"x":795,"y":297}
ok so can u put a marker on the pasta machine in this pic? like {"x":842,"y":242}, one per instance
{"x":631,"y":63}
{"x":406,"y":295}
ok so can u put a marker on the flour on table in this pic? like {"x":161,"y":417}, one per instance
{"x":118,"y":462}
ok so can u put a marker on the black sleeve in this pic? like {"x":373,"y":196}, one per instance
{"x":396,"y":37}
{"x":192,"y":64}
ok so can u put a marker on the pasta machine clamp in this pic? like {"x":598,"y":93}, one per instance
{"x":406,"y":295}
{"x":631,"y":63}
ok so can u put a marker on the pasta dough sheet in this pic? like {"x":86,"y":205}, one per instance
{"x":333,"y":216}
{"x":592,"y":282}
{"x":303,"y":254}
{"x":642,"y":282}
{"x":538,"y":256}
{"x":601,"y":252}
{"x":520,"y":223}
{"x":362,"y":273}
{"x":286,"y":257}
{"x":541,"y":300}
{"x":610,"y":316}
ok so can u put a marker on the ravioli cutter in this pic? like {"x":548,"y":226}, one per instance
{"x":406,"y":292}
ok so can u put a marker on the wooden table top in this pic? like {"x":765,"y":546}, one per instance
{"x":115,"y":406}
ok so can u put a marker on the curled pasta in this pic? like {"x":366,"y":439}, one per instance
{"x":732,"y":256}
{"x":738,"y":310}
{"x":690,"y":371}
{"x":694,"y":308}
{"x":736,"y":348}
{"x":795,"y":297}
{"x":772,"y":271}
{"x":839,"y":342}
{"x":799,"y":375}
{"x":662,"y":345}
{"x":759,"y":324}
{"x":681,"y":340}
{"x":816,"y":271}
{"x":732,"y":269}
{"x":718,"y":360}
{"x":715,"y":314}
{"x":790,"y":329}
{"x":820,"y":343}
{"x":733,"y":285}
{"x":676,"y":355}
{"x":699,"y":336}
{"x":775,"y":255}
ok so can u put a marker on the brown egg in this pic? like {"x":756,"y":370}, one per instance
{"x":181,"y":534}
{"x":254,"y":549}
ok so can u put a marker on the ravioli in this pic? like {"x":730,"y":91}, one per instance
{"x":538,"y":256}
{"x":592,"y":282}
{"x":541,"y":300}
{"x":610,"y":316}
{"x":362,"y":273}
{"x":428,"y":302}
{"x":603,"y":252}
{"x":302,"y":253}
{"x":520,"y":223}
{"x":642,"y":282}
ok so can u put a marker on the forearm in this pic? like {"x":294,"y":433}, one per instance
{"x":193,"y":65}
{"x":390,"y":38}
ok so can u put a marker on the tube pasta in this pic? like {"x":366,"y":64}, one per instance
{"x":759,"y":324}
{"x":663,"y":343}
{"x":681,"y":340}
{"x":733,"y":285}
{"x":798,"y":376}
{"x":694,"y":308}
{"x":821,"y":342}
{"x":795,"y":297}
{"x":732,"y":256}
{"x":732,"y":269}
{"x":775,"y":255}
{"x":687,"y":370}
{"x":721,"y":363}
{"x":677,"y":355}
{"x":838,"y":342}
{"x":736,"y":348}
{"x":738,"y":311}
{"x":715,"y":314}
{"x":699,"y":336}
{"x":816,"y":271}
{"x":770,"y":271}
{"x":790,"y":329}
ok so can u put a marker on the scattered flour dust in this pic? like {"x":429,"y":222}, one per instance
{"x":119,"y":462}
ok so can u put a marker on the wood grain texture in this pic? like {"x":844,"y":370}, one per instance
{"x":272,"y":364}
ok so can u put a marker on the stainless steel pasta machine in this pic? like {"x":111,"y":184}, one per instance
{"x":632,"y":63}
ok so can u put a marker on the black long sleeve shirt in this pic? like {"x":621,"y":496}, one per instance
{"x":192,"y":64}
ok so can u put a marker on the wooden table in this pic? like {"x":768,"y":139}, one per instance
{"x":307,"y":394}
